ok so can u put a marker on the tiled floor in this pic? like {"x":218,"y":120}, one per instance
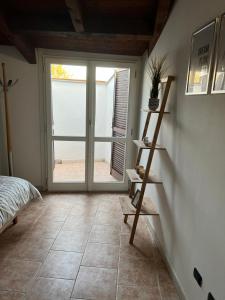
{"x":75,"y":172}
{"x":75,"y":246}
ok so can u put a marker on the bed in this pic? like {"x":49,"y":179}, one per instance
{"x":15,"y":193}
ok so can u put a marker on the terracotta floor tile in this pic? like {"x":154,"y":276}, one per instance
{"x":95,"y":283}
{"x":141,"y":248}
{"x":168,"y":292}
{"x":15,"y":274}
{"x":7,"y":247}
{"x":43,"y":230}
{"x":136,"y":272}
{"x":60,"y":264}
{"x":163,"y":275}
{"x":54,"y":216}
{"x":166,"y":285}
{"x":114,"y":228}
{"x":71,"y":241}
{"x":108,"y":218}
{"x":15,"y":233}
{"x":78,"y":222}
{"x":108,"y":206}
{"x":50,"y":289}
{"x":32,"y":249}
{"x":137,"y":293}
{"x":6,"y":295}
{"x":141,"y":227}
{"x":101,"y":255}
{"x":75,"y":171}
{"x":71,"y":220}
{"x":87,"y":210}
{"x":105,"y":234}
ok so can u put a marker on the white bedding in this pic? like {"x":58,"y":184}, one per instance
{"x":15,"y":193}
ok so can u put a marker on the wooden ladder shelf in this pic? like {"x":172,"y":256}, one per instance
{"x":145,"y":206}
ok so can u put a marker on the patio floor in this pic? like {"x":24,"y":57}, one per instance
{"x":75,"y":172}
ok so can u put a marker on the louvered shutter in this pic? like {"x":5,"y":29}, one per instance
{"x":120,"y":122}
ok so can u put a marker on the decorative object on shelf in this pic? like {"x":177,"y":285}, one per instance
{"x":218,"y":85}
{"x":200,"y":62}
{"x":142,"y":173}
{"x":135,"y":200}
{"x":157,"y":69}
{"x":146,"y":140}
{"x":148,"y":144}
{"x":139,"y":168}
{"x":5,"y":85}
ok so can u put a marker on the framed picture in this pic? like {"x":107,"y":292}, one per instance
{"x":218,"y":85}
{"x":202,"y":48}
{"x":136,"y":198}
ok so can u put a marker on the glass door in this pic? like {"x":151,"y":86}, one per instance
{"x":89,"y":124}
{"x":67,"y":111}
{"x":112,"y":131}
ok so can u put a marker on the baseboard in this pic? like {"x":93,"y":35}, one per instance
{"x":173,"y":274}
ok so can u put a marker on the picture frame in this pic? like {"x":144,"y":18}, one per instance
{"x":135,"y":200}
{"x":218,"y":83}
{"x":200,"y":61}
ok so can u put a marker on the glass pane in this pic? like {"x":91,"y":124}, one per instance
{"x":68,"y":161}
{"x":68,"y":87}
{"x":112,"y":95}
{"x":109,"y":161}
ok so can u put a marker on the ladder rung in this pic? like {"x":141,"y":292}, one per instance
{"x":135,"y":178}
{"x":154,"y":111}
{"x":148,"y":207}
{"x":142,"y":145}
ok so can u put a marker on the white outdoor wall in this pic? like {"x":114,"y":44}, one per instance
{"x":24,"y":117}
{"x":191,"y":202}
{"x":69,"y":107}
{"x":69,"y":111}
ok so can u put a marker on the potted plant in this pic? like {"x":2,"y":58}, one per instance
{"x":157,"y":69}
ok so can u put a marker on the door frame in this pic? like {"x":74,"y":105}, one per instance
{"x":111,"y":186}
{"x":45,"y":55}
{"x":65,"y":186}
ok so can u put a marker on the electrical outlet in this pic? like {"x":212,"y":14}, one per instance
{"x":197,"y":277}
{"x":210,"y":297}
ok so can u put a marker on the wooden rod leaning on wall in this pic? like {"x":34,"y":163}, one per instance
{"x":8,"y":131}
{"x":151,"y":153}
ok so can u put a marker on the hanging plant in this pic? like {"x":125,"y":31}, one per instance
{"x":157,"y":70}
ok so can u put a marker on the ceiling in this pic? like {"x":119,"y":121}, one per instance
{"x":126,"y":27}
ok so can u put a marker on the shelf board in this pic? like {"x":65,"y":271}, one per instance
{"x":148,"y":207}
{"x":154,"y":111}
{"x":142,"y":145}
{"x":135,"y":178}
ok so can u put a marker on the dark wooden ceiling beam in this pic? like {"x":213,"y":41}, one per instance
{"x":95,"y":25}
{"x":86,"y":35}
{"x":18,"y":41}
{"x":163,"y":12}
{"x":75,"y":14}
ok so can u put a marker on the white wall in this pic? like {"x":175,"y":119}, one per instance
{"x":24,"y":117}
{"x":69,"y":107}
{"x":191,"y":202}
{"x":69,"y":111}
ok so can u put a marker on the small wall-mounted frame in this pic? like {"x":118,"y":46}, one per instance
{"x":136,"y":198}
{"x":200,"y":62}
{"x":218,"y":85}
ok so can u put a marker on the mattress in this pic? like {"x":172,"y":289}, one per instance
{"x":15,"y":193}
